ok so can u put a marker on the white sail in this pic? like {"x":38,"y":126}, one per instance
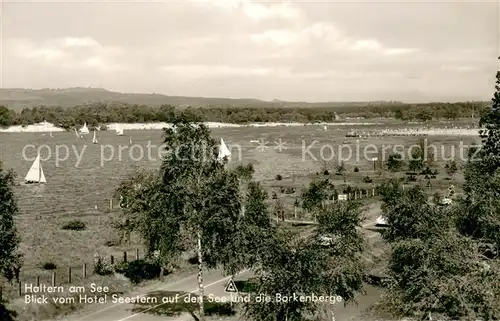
{"x":130,"y":140}
{"x":50,"y":134}
{"x":84,"y":129}
{"x":223,"y":150}
{"x":94,"y":140}
{"x":381,"y":221}
{"x":119,"y":131}
{"x":326,"y":128}
{"x":35,"y":174}
{"x":77,"y":134}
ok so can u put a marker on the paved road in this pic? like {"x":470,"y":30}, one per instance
{"x":214,"y":282}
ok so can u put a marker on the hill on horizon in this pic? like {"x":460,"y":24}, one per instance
{"x":19,"y":98}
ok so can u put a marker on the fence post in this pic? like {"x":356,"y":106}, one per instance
{"x":373,"y":192}
{"x":69,"y":275}
{"x":84,"y":270}
{"x":137,"y":254}
{"x":54,"y":278}
{"x":125,"y":256}
{"x":19,"y":288}
{"x":38,"y":280}
{"x":112,"y":259}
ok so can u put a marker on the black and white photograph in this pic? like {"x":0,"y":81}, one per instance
{"x":249,"y":160}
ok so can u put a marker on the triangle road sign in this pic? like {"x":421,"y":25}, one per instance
{"x":230,"y":286}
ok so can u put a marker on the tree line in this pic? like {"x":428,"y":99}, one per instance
{"x":98,"y":113}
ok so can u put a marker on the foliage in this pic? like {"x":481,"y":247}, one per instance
{"x":451,"y":167}
{"x":49,"y":266}
{"x":101,"y":267}
{"x":317,"y":192}
{"x":10,"y":258}
{"x":254,"y":230}
{"x":478,"y":213}
{"x":416,"y":162}
{"x":136,"y":192}
{"x":245,"y":172}
{"x":367,"y":179}
{"x":279,"y":210}
{"x":139,"y":270}
{"x":341,"y":221}
{"x":302,"y":267}
{"x":279,"y":177}
{"x":394,"y":162}
{"x":194,"y":203}
{"x":433,"y":269}
{"x":341,"y":169}
{"x":409,"y":215}
{"x":98,"y":112}
{"x":444,"y":276}
{"x":426,"y":151}
{"x":5,"y":117}
{"x":74,"y":225}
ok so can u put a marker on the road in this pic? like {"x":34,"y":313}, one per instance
{"x":214,"y":281}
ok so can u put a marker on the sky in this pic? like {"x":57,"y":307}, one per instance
{"x":411,"y":51}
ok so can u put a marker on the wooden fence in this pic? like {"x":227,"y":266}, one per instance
{"x":71,"y":274}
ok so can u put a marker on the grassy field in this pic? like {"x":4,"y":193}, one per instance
{"x":83,"y":176}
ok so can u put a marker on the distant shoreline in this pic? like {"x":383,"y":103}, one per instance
{"x":46,"y":127}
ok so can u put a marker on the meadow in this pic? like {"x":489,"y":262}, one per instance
{"x":83,"y":177}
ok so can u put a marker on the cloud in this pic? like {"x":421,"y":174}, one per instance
{"x":67,"y":52}
{"x":259,"y":11}
{"x":208,"y":71}
{"x":322,"y":35}
{"x":240,"y":48}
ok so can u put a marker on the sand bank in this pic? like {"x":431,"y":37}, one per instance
{"x":48,"y":127}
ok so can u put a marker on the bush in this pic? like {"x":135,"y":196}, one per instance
{"x":326,"y":172}
{"x":394,"y":162}
{"x":49,"y":266}
{"x":139,"y":270}
{"x":75,"y":225}
{"x":101,"y":267}
{"x":110,"y":243}
{"x":367,"y":179}
{"x":279,"y":177}
{"x":274,"y":196}
{"x":426,"y":171}
{"x":290,"y":190}
{"x":103,"y":127}
{"x":356,"y":169}
{"x":282,"y":189}
{"x":411,"y":178}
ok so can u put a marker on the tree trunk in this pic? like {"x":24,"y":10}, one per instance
{"x":200,"y":279}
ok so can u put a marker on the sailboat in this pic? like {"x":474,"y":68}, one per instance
{"x":130,"y":140}
{"x":94,"y":140}
{"x":84,"y":130}
{"x":35,"y":174}
{"x":325,"y":128}
{"x":223,"y":150}
{"x":50,"y":134}
{"x":119,"y":131}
